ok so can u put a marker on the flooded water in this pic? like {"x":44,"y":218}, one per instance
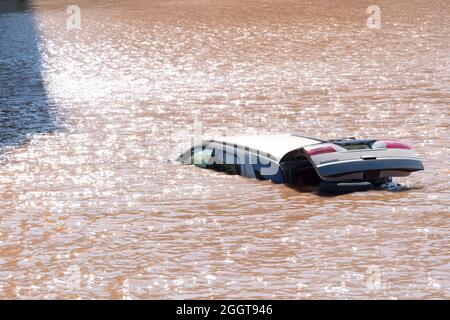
{"x":91,"y":208}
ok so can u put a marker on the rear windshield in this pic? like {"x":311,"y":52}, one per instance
{"x":354,"y":144}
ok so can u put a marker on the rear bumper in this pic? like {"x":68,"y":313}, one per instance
{"x":348,"y":167}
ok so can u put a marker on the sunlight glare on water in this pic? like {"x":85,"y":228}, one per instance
{"x":95,"y":114}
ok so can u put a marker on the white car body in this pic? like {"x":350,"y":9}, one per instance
{"x":290,"y":158}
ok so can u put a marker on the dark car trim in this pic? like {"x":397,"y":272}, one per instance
{"x":340,"y":168}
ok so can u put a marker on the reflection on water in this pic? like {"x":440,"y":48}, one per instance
{"x":24,"y":105}
{"x":99,"y":200}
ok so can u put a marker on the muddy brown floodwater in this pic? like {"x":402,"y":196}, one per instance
{"x":90,"y":206}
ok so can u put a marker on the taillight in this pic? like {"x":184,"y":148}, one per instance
{"x":320,"y":150}
{"x":390,"y":145}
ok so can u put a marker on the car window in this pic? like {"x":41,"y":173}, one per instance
{"x":202,"y":157}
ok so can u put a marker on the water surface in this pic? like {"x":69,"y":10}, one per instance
{"x":97,"y":197}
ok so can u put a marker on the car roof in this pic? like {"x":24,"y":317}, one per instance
{"x":276,"y":145}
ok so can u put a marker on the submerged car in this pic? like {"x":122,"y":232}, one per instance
{"x":340,"y":165}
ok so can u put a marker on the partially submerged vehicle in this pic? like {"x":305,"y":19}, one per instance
{"x":337,"y":166}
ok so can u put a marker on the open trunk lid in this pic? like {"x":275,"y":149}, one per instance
{"x":362,"y":159}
